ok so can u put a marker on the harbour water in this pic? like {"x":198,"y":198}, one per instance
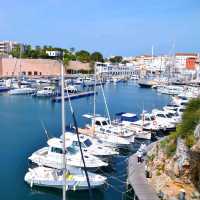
{"x":22,"y":133}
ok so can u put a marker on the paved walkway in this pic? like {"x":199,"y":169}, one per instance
{"x":138,"y":180}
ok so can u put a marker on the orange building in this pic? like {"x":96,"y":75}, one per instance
{"x":191,"y":63}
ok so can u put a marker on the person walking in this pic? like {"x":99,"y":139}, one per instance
{"x":139,"y":156}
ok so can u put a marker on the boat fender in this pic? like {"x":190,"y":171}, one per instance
{"x":154,"y":123}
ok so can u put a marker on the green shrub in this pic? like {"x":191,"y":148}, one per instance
{"x":151,"y":157}
{"x":158,"y":173}
{"x":185,"y":130}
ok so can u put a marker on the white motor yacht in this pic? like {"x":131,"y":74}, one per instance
{"x":91,"y":146}
{"x":170,"y":89}
{"x":71,"y":89}
{"x":107,"y":133}
{"x":53,"y":178}
{"x":21,"y":91}
{"x":45,"y":92}
{"x":131,"y":122}
{"x":52,"y":156}
{"x":162,"y":116}
{"x":179,"y":101}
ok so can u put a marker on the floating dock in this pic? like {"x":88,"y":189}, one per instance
{"x":138,"y":181}
{"x":74,"y":96}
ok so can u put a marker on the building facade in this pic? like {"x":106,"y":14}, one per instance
{"x":7,"y":46}
{"x":37,"y":67}
{"x":54,"y":53}
{"x":110,"y":70}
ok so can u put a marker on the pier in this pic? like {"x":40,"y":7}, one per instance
{"x":138,"y":181}
{"x":74,"y":96}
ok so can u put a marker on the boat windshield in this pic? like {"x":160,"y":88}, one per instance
{"x":87,"y":143}
{"x":72,"y":150}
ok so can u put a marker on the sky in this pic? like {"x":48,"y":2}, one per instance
{"x":113,"y":27}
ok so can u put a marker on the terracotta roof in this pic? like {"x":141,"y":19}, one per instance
{"x":186,"y":54}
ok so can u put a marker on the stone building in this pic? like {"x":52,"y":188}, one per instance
{"x":36,"y":67}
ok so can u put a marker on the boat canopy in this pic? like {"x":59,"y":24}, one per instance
{"x":130,"y":117}
{"x":90,"y":116}
{"x":58,"y":143}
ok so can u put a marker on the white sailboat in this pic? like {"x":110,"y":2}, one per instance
{"x":20,"y":89}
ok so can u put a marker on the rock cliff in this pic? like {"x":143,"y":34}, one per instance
{"x":172,"y":174}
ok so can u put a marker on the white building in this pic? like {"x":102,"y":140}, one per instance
{"x":7,"y":46}
{"x":53,"y":53}
{"x":182,"y":63}
{"x":108,"y":69}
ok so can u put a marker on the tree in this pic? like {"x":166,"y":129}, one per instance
{"x":96,"y":57}
{"x":16,"y":51}
{"x":116,"y":59}
{"x":83,"y":56}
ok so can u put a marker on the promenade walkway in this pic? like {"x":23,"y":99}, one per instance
{"x":138,"y":180}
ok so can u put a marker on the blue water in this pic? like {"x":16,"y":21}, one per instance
{"x":22,"y":133}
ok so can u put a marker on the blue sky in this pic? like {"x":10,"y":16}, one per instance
{"x":114,"y":27}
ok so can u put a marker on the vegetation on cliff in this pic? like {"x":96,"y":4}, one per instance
{"x":68,"y":54}
{"x":185,"y":130}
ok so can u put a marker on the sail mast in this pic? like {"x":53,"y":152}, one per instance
{"x":94,"y":108}
{"x":63,"y":130}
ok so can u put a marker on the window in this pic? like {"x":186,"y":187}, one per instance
{"x":160,"y":115}
{"x":29,"y":73}
{"x":56,"y":150}
{"x":35,"y":73}
{"x":104,"y":123}
{"x":98,"y":123}
{"x":75,"y":143}
{"x":87,"y":143}
{"x":40,"y":73}
{"x":184,"y":104}
{"x":152,"y":118}
{"x":102,"y":129}
{"x":72,"y":150}
{"x":169,"y":115}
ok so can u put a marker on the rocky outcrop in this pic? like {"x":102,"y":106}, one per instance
{"x":170,"y":175}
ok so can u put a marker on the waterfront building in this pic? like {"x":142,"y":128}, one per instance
{"x":109,"y":70}
{"x":186,"y":61}
{"x":7,"y":46}
{"x":37,"y":67}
